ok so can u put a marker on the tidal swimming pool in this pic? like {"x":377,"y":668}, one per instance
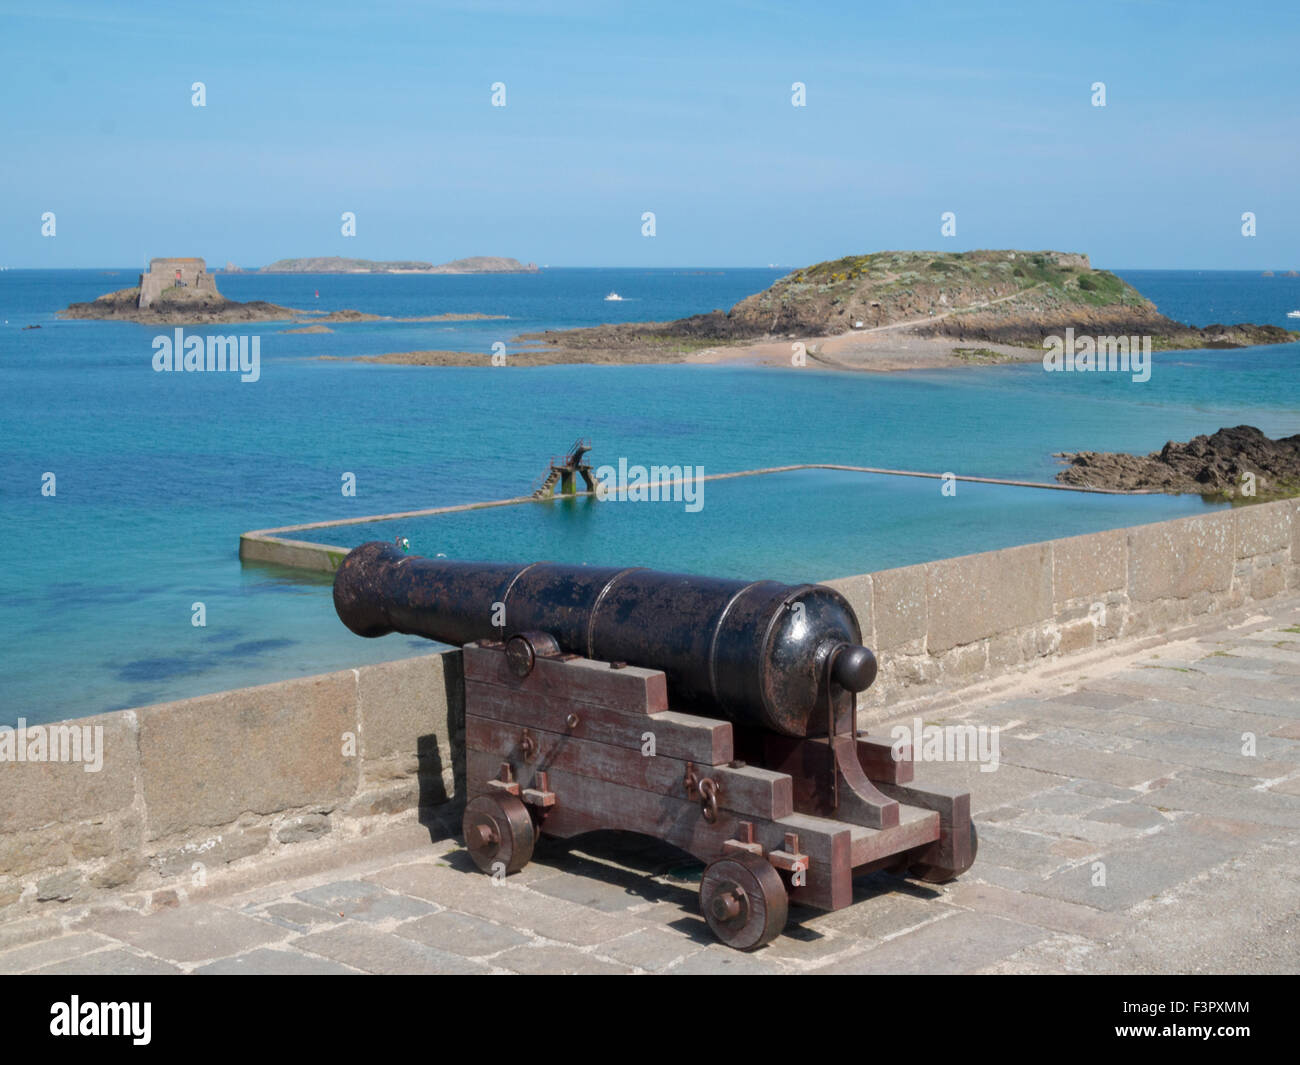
{"x":802,"y":525}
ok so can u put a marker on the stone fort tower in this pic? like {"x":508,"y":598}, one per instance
{"x":191,"y":274}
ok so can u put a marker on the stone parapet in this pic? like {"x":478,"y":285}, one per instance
{"x":190,"y":787}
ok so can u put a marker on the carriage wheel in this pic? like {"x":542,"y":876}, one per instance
{"x":933,"y":874}
{"x":499,"y":833}
{"x":743,"y":900}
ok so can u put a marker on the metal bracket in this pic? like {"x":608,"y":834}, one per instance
{"x":505,"y":780}
{"x":789,"y":859}
{"x":528,"y":746}
{"x":541,"y":795}
{"x":743,"y":841}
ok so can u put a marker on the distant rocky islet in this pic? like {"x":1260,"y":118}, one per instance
{"x":333,"y":264}
{"x":182,"y":291}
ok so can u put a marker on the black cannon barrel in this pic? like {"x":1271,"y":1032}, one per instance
{"x":759,"y":653}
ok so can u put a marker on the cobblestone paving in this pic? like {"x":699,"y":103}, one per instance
{"x":1145,"y":819}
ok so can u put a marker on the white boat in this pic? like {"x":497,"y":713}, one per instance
{"x":613,"y":296}
{"x":1293,"y":314}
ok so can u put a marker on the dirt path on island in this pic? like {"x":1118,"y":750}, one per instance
{"x":879,"y":349}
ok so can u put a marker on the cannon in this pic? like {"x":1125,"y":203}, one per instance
{"x":716,"y":715}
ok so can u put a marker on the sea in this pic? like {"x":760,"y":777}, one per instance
{"x":125,"y":490}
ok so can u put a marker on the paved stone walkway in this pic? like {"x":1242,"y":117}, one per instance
{"x":1127,"y":828}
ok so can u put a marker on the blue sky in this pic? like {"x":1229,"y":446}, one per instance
{"x":683,"y":109}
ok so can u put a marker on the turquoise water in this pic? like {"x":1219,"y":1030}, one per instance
{"x":157,"y":474}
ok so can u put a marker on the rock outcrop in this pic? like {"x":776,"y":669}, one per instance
{"x":175,"y":292}
{"x":177,"y":307}
{"x":1215,"y":466}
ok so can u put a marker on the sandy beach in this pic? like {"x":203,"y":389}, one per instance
{"x":886,"y":350}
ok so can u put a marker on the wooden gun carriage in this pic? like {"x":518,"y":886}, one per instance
{"x":718,"y":716}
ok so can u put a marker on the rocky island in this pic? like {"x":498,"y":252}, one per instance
{"x":909,"y":309}
{"x":184,"y":292}
{"x":333,"y":264}
{"x":1215,"y":466}
{"x":176,"y":292}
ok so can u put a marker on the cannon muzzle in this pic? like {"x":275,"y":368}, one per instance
{"x":786,"y":658}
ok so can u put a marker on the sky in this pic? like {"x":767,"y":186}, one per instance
{"x":912,"y":109}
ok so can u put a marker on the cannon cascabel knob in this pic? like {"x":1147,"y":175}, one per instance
{"x":854,"y":668}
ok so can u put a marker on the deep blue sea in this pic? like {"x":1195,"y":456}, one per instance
{"x":157,"y":474}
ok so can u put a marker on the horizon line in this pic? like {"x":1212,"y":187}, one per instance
{"x":606,"y":266}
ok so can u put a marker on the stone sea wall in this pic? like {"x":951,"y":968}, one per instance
{"x":942,"y":626}
{"x":189,"y":789}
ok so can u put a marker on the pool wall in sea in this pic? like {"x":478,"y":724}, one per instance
{"x":272,"y":545}
{"x":180,"y":795}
